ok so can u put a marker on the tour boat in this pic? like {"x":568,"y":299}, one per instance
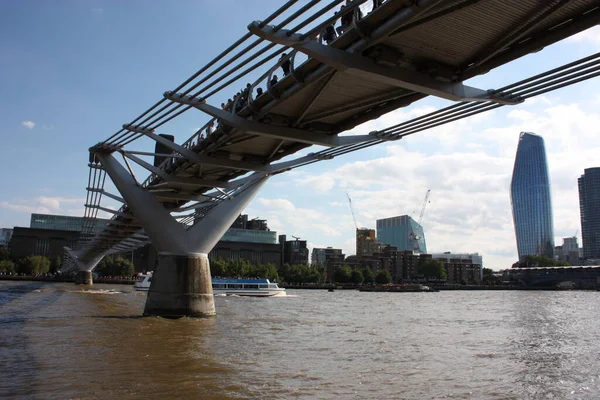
{"x":226,"y":286}
{"x":142,"y":281}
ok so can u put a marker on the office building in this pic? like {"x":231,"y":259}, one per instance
{"x":5,"y":235}
{"x":324,"y":256}
{"x":251,"y":240}
{"x":366,"y":243}
{"x":294,"y":252}
{"x":589,"y":209}
{"x":462,"y":267}
{"x":568,"y":251}
{"x":402,"y":232}
{"x":63,"y":222}
{"x":530,"y":198}
{"x":41,"y":242}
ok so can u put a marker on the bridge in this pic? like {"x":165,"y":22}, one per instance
{"x":317,"y":80}
{"x":580,"y":277}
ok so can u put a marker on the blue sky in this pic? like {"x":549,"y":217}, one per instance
{"x":74,"y":71}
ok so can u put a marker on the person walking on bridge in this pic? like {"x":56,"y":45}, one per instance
{"x":285,"y":64}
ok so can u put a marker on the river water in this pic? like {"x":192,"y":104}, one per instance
{"x":57,"y":341}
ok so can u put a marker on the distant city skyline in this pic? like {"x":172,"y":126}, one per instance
{"x":531,"y":199}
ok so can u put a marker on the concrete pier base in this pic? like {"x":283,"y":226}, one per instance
{"x":181,"y":287}
{"x":84,"y":278}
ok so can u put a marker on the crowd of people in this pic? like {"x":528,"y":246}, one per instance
{"x":328,"y":35}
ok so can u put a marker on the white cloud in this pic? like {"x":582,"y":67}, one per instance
{"x":28,"y":124}
{"x":282,"y":212}
{"x":47,"y":205}
{"x":589,"y":35}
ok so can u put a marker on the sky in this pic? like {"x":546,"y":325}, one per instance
{"x":72,"y":72}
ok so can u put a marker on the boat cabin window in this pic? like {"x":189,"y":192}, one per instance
{"x":234,"y":286}
{"x":218,"y":286}
{"x":250,"y":286}
{"x":263,"y":286}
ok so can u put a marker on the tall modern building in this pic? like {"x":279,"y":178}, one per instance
{"x":530,"y":198}
{"x":402,"y":232}
{"x":589,"y":208}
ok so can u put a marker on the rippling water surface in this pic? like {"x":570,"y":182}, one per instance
{"x":57,"y":341}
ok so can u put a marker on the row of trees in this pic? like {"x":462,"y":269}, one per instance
{"x":313,"y":274}
{"x":539,"y":261}
{"x":115,"y":266}
{"x":243,"y":268}
{"x":31,"y":265}
{"x":40,"y":265}
{"x":346,"y":274}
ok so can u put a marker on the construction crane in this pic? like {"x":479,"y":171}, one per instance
{"x":416,"y":237}
{"x":352,"y":210}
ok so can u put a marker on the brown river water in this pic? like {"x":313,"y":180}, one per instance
{"x":60,"y":342}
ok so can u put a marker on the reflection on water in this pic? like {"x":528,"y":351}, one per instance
{"x":57,"y":341}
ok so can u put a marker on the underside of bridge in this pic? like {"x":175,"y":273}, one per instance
{"x":394,"y":55}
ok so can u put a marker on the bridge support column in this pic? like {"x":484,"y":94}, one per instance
{"x":84,"y":278}
{"x":181,"y":283}
{"x":84,"y":274}
{"x":181,"y":287}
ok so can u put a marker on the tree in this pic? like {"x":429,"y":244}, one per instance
{"x":383,"y":277}
{"x":117,"y":266}
{"x":367,"y":275}
{"x":105,"y":266}
{"x":357,"y":277}
{"x":264,"y":271}
{"x":4,"y":255}
{"x":539,"y":261}
{"x":55,"y":264}
{"x":123,"y":267}
{"x":432,"y":268}
{"x":488,"y":276}
{"x":218,"y":267}
{"x":7,"y":267}
{"x":342,"y":274}
{"x":34,"y":265}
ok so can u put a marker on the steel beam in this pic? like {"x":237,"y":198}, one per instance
{"x":178,"y":196}
{"x":193,"y":156}
{"x":206,"y":233}
{"x":107,"y":194}
{"x":166,"y":234}
{"x":260,"y":129}
{"x":110,"y":211}
{"x":364,"y":67}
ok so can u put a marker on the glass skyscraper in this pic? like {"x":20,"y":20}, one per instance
{"x":589,"y":208}
{"x":402,"y":232}
{"x":530,"y":198}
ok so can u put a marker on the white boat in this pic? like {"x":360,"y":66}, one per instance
{"x":226,"y":286}
{"x":246,"y":287}
{"x":142,"y":281}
